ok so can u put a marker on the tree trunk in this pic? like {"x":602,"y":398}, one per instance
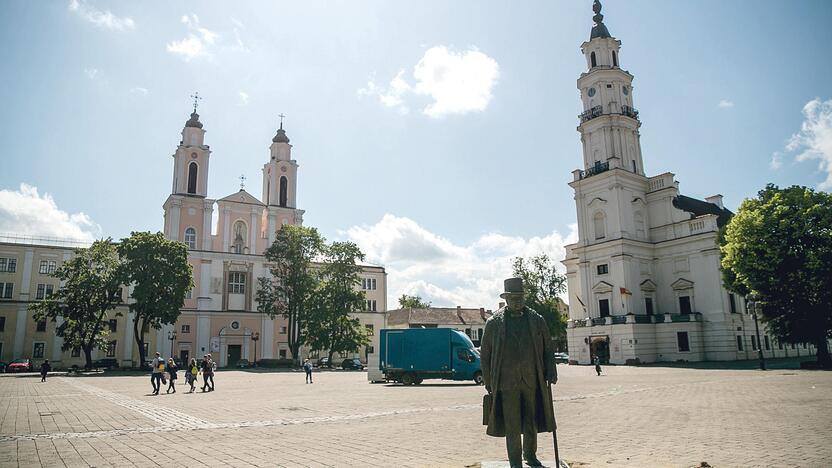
{"x":139,"y":340}
{"x":824,"y":359}
{"x":88,"y":356}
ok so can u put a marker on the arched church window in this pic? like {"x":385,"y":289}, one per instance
{"x":190,"y":238}
{"x":239,"y":244}
{"x":599,"y":224}
{"x":268,"y":190}
{"x":284,"y":190}
{"x":592,"y":60}
{"x":614,"y":59}
{"x":192,"y":172}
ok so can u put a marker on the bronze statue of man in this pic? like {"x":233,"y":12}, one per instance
{"x":517,"y":368}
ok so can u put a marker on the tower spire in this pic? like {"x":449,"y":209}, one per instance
{"x":281,"y":137}
{"x":600,"y":29}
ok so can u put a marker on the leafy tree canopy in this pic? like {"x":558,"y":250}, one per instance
{"x":414,"y":302}
{"x":779,"y":247}
{"x":159,"y":272}
{"x":543,"y":283}
{"x":91,"y":287}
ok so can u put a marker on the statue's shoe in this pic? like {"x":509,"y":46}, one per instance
{"x":533,"y":461}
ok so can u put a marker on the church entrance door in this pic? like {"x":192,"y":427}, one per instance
{"x":600,"y":346}
{"x":234,"y":353}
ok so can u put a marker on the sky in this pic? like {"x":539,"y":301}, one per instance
{"x":439,"y":136}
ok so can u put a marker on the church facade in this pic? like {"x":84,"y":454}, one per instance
{"x":219,"y":315}
{"x":643,"y":278}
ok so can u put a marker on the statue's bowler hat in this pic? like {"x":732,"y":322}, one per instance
{"x":513,"y":287}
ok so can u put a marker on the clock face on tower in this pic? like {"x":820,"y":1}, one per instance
{"x":591,"y":92}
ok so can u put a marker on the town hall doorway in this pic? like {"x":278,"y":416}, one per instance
{"x":600,"y":346}
{"x":234,"y":353}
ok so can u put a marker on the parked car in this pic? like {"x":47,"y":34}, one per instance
{"x":243,"y":364}
{"x":561,"y":357}
{"x":3,"y":366}
{"x":20,"y":365}
{"x":106,"y":363}
{"x":323,"y":362}
{"x":352,"y":364}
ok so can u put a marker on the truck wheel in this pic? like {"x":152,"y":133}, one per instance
{"x":478,"y":378}
{"x":408,"y":378}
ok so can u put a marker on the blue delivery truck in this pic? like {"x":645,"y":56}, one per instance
{"x":411,"y":355}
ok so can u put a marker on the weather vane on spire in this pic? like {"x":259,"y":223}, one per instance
{"x":242,"y":182}
{"x":281,"y":119}
{"x":197,"y":98}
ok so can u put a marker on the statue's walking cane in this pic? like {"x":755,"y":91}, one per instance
{"x":554,"y":429}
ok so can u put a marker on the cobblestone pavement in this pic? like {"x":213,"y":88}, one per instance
{"x":627,"y":417}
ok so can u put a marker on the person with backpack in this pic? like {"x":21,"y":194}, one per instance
{"x":44,"y":369}
{"x":191,"y":373}
{"x":157,"y":366}
{"x":172,"y":375}
{"x":307,"y":366}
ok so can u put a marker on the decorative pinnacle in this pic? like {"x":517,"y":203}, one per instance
{"x":596,"y":7}
{"x":242,"y":182}
{"x":197,"y":98}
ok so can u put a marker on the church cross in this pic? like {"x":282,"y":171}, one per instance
{"x":197,"y":98}
{"x":281,"y":119}
{"x":242,"y":182}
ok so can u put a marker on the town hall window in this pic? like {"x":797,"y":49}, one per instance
{"x":682,"y":341}
{"x":614,"y":59}
{"x":603,"y":269}
{"x":600,"y":228}
{"x":733,"y":303}
{"x":284,"y":190}
{"x":648,"y":305}
{"x":192,"y":170}
{"x":592,"y":60}
{"x":684,"y":305}
{"x":190,"y":238}
{"x":604,"y":307}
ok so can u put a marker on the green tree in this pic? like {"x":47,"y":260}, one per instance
{"x":543,"y":284}
{"x":414,"y":302}
{"x":91,"y":288}
{"x":160,"y":274}
{"x":330,"y":326}
{"x":779,"y":246}
{"x":289,"y":289}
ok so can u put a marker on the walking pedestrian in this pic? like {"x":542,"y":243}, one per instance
{"x":598,"y":365}
{"x":213,"y":371}
{"x":190,"y":375}
{"x":206,"y":372}
{"x":307,"y":366}
{"x":172,"y":375}
{"x":44,"y":369}
{"x":157,"y":366}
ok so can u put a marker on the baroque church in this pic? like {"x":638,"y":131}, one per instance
{"x":643,"y":278}
{"x":220,"y":314}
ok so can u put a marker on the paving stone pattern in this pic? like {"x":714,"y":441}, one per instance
{"x":627,"y":417}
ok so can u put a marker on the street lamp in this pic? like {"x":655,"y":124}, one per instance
{"x":254,"y":337}
{"x":172,"y":338}
{"x":755,"y":305}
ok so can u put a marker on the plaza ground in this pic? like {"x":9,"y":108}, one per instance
{"x":631,"y":416}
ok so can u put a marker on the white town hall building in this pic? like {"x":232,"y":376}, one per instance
{"x":643,"y":278}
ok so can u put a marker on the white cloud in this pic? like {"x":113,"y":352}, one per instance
{"x":422,"y":263}
{"x":244,"y":97}
{"x":457,"y":82}
{"x":199,"y":43}
{"x":814,"y":140}
{"x":725,"y":104}
{"x":26,"y":212}
{"x":100,"y":18}
{"x":139,"y":91}
{"x":776,"y":161}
